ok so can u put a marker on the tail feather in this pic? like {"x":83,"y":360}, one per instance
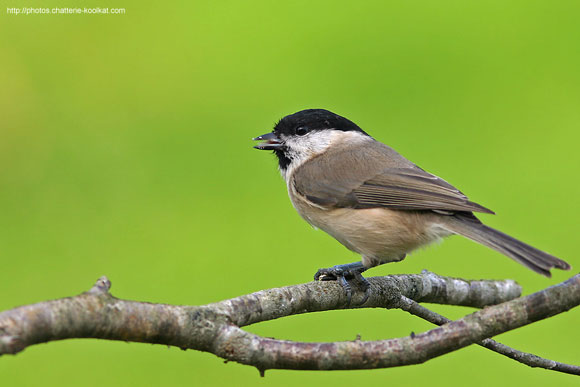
{"x":537,"y":260}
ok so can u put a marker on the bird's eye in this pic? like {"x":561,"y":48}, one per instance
{"x":301,"y":130}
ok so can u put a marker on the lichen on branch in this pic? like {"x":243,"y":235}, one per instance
{"x":216,"y":327}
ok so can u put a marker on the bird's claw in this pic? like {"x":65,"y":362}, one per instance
{"x":345,"y":275}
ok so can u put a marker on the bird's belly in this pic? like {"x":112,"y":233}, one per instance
{"x":380,"y":235}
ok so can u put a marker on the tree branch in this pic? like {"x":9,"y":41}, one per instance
{"x":215,"y":327}
{"x":519,"y":356}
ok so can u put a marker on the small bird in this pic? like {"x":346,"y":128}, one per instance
{"x":373,"y":200}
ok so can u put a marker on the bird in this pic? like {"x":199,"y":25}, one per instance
{"x":373,"y":200}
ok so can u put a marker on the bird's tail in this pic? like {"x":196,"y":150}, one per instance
{"x":470,"y":227}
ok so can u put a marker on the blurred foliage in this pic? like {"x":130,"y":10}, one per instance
{"x":125,"y":150}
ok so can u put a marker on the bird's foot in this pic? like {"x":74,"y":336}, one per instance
{"x":346,"y":275}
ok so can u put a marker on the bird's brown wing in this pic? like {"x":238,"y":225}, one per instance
{"x":412,"y":189}
{"x":362,"y":179}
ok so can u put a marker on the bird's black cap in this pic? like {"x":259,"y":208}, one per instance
{"x":314,"y":119}
{"x":299,"y":124}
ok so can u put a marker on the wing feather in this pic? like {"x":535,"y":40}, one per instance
{"x":377,"y":176}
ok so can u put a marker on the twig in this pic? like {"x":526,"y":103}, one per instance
{"x":523,"y":357}
{"x":215,"y":327}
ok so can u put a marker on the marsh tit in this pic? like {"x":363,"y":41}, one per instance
{"x":373,"y":200}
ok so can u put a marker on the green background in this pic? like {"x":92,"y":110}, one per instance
{"x":125,"y":150}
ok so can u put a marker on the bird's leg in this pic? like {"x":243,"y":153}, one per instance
{"x":333,"y":273}
{"x":343,"y":274}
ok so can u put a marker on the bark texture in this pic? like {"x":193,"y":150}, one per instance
{"x":216,"y":328}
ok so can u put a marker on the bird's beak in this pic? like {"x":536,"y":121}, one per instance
{"x":271,"y":142}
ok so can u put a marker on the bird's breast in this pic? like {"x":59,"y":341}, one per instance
{"x":378,"y":234}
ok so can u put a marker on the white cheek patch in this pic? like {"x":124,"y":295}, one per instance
{"x":313,"y":143}
{"x":302,"y":148}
